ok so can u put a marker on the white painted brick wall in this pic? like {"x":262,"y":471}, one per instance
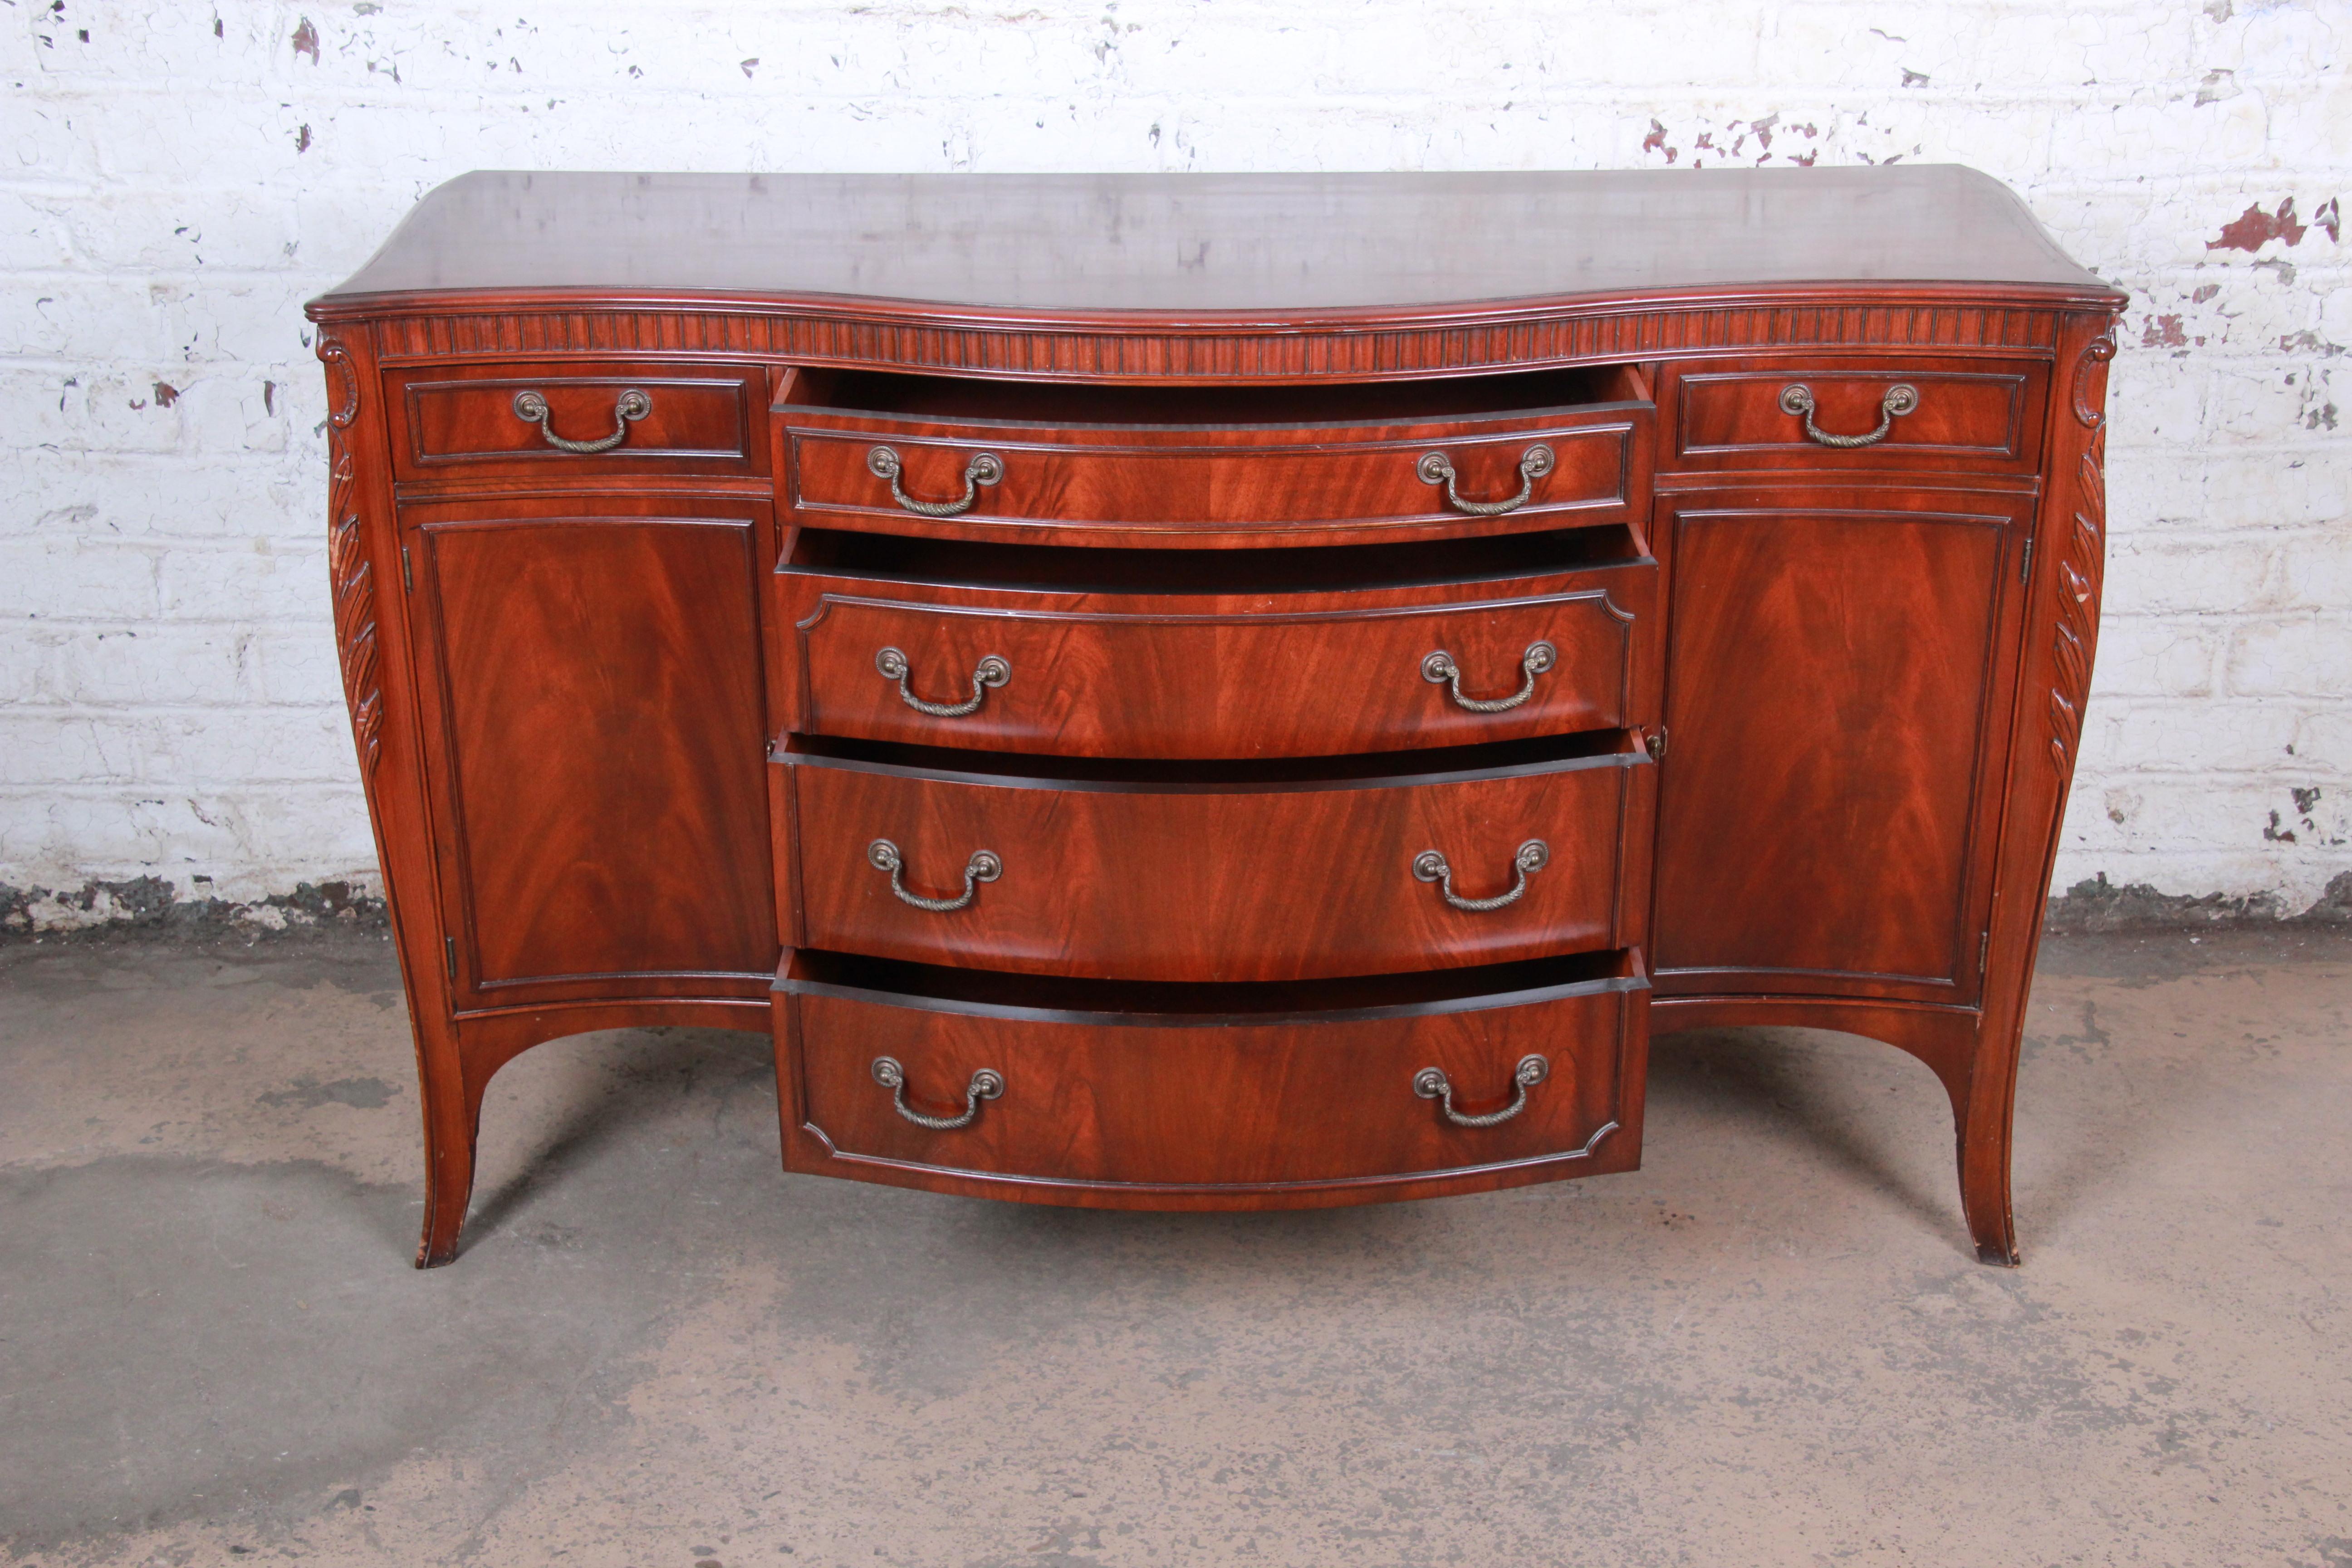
{"x":176,"y":179}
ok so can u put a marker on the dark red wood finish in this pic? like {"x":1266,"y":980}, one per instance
{"x":1233,"y":485}
{"x":566,"y":670}
{"x":1241,"y":873}
{"x":1972,"y":415}
{"x":594,"y":726}
{"x":460,"y":421}
{"x":1269,"y":673}
{"x":1874,"y":773}
{"x":1300,"y":1096}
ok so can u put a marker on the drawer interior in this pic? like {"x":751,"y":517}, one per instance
{"x":1210,"y":1002}
{"x":1586,"y":748}
{"x":1277,"y":569}
{"x":968,"y":400}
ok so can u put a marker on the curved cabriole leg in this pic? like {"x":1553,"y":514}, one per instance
{"x":458,"y":1060}
{"x":452,"y":1109}
{"x":1984,"y":1141}
{"x":1979,"y":1083}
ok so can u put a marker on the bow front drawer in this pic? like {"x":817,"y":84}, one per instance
{"x":1223,"y":871}
{"x":1913,"y":413}
{"x":1210,"y":1096}
{"x":517,"y":420}
{"x":1103,"y":653}
{"x":1204,"y":465}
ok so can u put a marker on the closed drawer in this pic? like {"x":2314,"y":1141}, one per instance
{"x":1933,"y":412}
{"x":1258,"y":872}
{"x":1091,"y":476}
{"x":1563,"y":638}
{"x":1211,"y":1096}
{"x":538,"y":419}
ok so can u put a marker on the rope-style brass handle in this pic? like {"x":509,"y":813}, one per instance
{"x":1901,"y":398}
{"x":1437,"y":468}
{"x":632,"y":405}
{"x":1429,"y":865}
{"x":1439,"y":669}
{"x":985,"y":468}
{"x":983,"y":866}
{"x":1431,"y":1083}
{"x":991,"y":671}
{"x":986,"y":1084}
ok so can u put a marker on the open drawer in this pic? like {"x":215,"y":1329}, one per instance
{"x":1188,"y":653}
{"x":1211,"y":1096}
{"x":1254,"y":465}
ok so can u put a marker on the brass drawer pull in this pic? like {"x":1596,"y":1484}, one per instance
{"x":983,"y":866}
{"x":986,"y":1084}
{"x":991,"y":671}
{"x":1900,"y":399}
{"x":1436,"y":468}
{"x":1439,"y":669}
{"x":631,"y":406}
{"x":1431,"y":1083}
{"x":985,"y":468}
{"x":1429,"y":865}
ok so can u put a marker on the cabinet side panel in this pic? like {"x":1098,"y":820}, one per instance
{"x":1827,"y":694}
{"x":603,"y":714}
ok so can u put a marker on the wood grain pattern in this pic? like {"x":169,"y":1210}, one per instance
{"x":1151,"y":875}
{"x":561,"y":726}
{"x":1210,"y":1111}
{"x":699,"y":418}
{"x":1279,"y":243}
{"x":1835,"y":670}
{"x":1231,"y":486}
{"x":1361,"y":346}
{"x":1972,"y":414}
{"x":1235,"y":675}
{"x":599,"y":738}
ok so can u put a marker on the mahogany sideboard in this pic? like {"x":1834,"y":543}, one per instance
{"x":1217,"y":691}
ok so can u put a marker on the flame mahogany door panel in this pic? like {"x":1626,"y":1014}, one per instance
{"x":1140,"y":507}
{"x":1838,"y":681}
{"x":596,"y":717}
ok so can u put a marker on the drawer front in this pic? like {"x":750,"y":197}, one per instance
{"x":534,"y":419}
{"x":1933,"y":414}
{"x":1269,"y":676}
{"x":1172,"y":882}
{"x":1164,"y":1110}
{"x":1241,"y":484}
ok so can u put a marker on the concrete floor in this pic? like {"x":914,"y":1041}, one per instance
{"x":1770,"y":1346}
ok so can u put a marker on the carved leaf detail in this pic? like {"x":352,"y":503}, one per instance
{"x":350,"y":575}
{"x":2076,"y":630}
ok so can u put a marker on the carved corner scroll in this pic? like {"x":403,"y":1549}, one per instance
{"x":347,"y":570}
{"x":2081,"y":559}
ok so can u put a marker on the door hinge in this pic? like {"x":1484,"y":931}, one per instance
{"x":1984,"y":951}
{"x":408,"y":577}
{"x":1656,"y":744}
{"x":449,"y":947}
{"x":2025,"y":563}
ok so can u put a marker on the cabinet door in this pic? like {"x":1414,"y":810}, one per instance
{"x":591,"y":668}
{"x":1838,"y":688}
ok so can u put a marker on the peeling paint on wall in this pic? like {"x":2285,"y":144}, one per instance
{"x":185,"y":176}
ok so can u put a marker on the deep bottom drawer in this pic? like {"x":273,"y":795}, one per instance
{"x":1211,"y":1096}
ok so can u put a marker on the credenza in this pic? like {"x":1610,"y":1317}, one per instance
{"x":1217,"y":691}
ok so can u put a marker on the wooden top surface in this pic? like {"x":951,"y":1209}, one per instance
{"x":1189,"y":245}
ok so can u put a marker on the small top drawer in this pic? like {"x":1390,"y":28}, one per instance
{"x":1218,"y":465}
{"x":1905,"y":414}
{"x":535,"y":419}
